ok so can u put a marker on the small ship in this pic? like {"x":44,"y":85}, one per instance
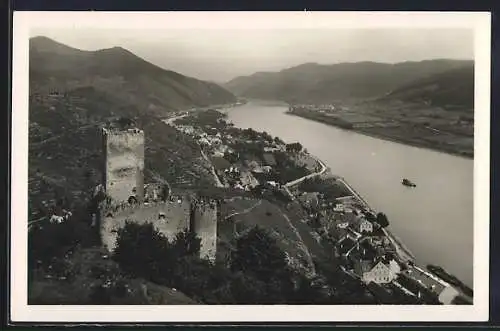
{"x":407,"y":182}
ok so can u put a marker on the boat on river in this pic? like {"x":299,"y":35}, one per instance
{"x":407,"y":182}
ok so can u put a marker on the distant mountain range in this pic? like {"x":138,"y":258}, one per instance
{"x":316,"y":83}
{"x":57,"y":67}
{"x":452,"y":88}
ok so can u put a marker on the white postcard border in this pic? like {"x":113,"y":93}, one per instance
{"x":24,"y":21}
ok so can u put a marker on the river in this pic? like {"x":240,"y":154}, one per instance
{"x":434,"y":220}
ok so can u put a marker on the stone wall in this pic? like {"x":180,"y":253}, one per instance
{"x":169,"y":217}
{"x":123,"y":163}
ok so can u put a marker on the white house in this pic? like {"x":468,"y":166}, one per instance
{"x":239,"y":187}
{"x":338,"y":207}
{"x":204,"y":141}
{"x":379,"y":274}
{"x":341,"y":223}
{"x":56,"y":219}
{"x":267,"y":168}
{"x":365,"y":226}
{"x":395,"y":268}
{"x":448,"y":295}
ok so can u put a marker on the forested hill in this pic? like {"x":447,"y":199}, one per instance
{"x":452,"y":89}
{"x":117,"y":71}
{"x":317,"y":83}
{"x":73,"y":93}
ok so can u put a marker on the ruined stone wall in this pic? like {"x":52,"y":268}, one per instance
{"x":204,"y":224}
{"x":177,"y":218}
{"x":199,"y":215}
{"x":123,"y":163}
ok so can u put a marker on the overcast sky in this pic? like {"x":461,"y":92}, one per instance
{"x":220,"y":55}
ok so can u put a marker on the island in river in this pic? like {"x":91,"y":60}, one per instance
{"x":434,"y":128}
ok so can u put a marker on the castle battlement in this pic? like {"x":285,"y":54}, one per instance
{"x":122,"y":132}
{"x":127,"y":208}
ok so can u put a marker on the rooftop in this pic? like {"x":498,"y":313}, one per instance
{"x":424,"y":280}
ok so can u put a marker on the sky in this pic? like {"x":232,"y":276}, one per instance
{"x":223,"y":54}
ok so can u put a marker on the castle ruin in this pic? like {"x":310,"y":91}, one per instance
{"x":123,"y":164}
{"x":129,"y":199}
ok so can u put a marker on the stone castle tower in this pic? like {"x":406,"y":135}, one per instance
{"x":203,"y":222}
{"x":123,"y":164}
{"x":123,"y":182}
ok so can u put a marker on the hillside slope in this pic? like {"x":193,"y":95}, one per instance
{"x":452,"y":89}
{"x":57,"y":67}
{"x":316,"y":83}
{"x":73,"y":93}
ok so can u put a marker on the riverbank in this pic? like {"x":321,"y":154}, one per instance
{"x":452,"y":150}
{"x":404,"y":253}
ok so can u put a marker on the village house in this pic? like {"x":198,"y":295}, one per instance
{"x":364,"y":226}
{"x":66,"y":215}
{"x":339,"y":208}
{"x":267,"y":169}
{"x":271,"y":149}
{"x":341,"y":224}
{"x":214,"y":140}
{"x":204,"y":141}
{"x":380,"y":273}
{"x":238,"y":186}
{"x":254,"y":166}
{"x":247,"y":179}
{"x":232,"y":170}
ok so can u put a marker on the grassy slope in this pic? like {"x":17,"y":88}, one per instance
{"x":293,"y":238}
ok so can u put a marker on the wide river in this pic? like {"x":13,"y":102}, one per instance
{"x":434,"y":220}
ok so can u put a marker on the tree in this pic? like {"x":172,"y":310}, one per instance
{"x":186,"y":243}
{"x":382,"y":220}
{"x":50,"y":241}
{"x":278,"y":141}
{"x":257,"y":252}
{"x":258,"y":255}
{"x":141,"y":249}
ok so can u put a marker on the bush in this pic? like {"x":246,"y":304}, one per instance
{"x":382,"y":220}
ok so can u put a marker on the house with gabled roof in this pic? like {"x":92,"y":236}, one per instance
{"x":364,"y":226}
{"x":380,"y":273}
